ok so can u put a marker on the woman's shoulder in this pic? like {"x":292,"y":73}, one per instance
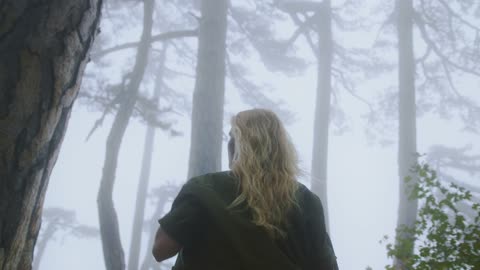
{"x":308,"y":200}
{"x":213,"y":179}
{"x":219,"y":182}
{"x":220,"y":187}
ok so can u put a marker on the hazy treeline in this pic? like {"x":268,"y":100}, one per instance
{"x":155,"y":62}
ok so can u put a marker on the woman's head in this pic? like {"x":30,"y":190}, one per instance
{"x":263,"y":157}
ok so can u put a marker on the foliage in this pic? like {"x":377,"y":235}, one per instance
{"x":446,"y":47}
{"x":57,"y":219}
{"x":251,"y":31}
{"x":445,"y":237}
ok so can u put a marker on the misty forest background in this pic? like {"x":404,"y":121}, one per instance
{"x":361,"y":86}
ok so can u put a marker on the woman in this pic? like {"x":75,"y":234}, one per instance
{"x":256,"y":216}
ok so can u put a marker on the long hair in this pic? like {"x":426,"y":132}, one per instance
{"x":266,"y":163}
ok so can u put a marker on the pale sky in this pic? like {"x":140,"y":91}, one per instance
{"x":362,"y":176}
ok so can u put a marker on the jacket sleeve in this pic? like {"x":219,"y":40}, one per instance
{"x":320,"y":248}
{"x":186,"y":219}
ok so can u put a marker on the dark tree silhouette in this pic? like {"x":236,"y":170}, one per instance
{"x":333,"y":62}
{"x":428,"y":78}
{"x":111,"y":243}
{"x":321,"y":21}
{"x":136,"y":239}
{"x":209,"y":92}
{"x":44,"y":46}
{"x":407,"y":145}
{"x":127,"y":102}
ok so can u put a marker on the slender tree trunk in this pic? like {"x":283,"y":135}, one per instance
{"x":42,"y":244}
{"x":407,"y":146}
{"x":322,"y":107}
{"x":112,"y":246}
{"x":208,"y":96}
{"x":44,"y":47}
{"x":136,"y":240}
{"x":149,"y":262}
{"x":166,"y":193}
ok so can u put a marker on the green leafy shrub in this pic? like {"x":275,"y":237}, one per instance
{"x":446,"y":234}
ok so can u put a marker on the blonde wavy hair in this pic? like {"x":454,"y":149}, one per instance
{"x":266,"y":163}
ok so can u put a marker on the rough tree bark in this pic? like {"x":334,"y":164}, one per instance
{"x":322,"y":106}
{"x":44,"y":47}
{"x":407,"y":145}
{"x":112,"y":246}
{"x":136,"y":240}
{"x":209,"y":93}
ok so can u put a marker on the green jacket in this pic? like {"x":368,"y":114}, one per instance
{"x":214,"y":237}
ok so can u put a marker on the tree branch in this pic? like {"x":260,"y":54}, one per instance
{"x":160,"y":37}
{"x":389,"y":21}
{"x":310,"y":42}
{"x":302,"y":27}
{"x":450,"y":179}
{"x":424,"y":56}
{"x":349,"y":88}
{"x":111,"y":104}
{"x":452,"y":13}
{"x":450,"y":80}
{"x":430,"y":43}
{"x":179,"y":73}
{"x":299,"y":6}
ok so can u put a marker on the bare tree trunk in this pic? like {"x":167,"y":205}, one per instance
{"x":165,"y":193}
{"x":149,"y":262}
{"x":322,"y":107}
{"x":208,"y":96}
{"x":44,"y":47}
{"x":112,"y":246}
{"x":138,"y":218}
{"x":42,"y":244}
{"x":407,"y":145}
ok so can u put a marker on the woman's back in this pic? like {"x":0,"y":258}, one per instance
{"x":216,"y":236}
{"x":255,"y":217}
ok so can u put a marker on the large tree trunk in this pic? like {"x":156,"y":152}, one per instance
{"x":112,"y":246}
{"x":407,"y":146}
{"x":208,"y":96}
{"x":142,"y":189}
{"x":322,"y":107}
{"x":44,"y":47}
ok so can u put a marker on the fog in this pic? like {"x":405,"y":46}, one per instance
{"x":362,"y":172}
